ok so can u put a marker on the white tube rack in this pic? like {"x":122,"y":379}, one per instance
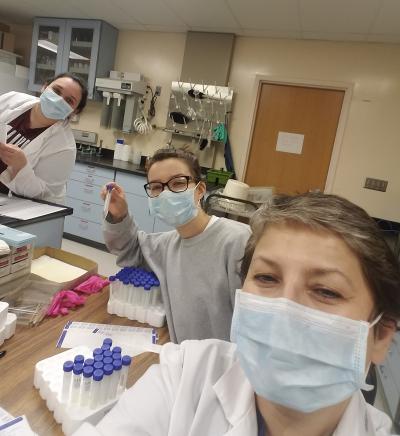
{"x":153,"y":315}
{"x":48,"y":379}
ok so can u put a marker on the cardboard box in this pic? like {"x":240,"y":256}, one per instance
{"x":8,"y":42}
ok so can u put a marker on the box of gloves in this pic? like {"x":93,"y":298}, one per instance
{"x":16,"y":252}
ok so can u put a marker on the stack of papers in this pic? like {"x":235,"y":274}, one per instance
{"x":10,"y":426}
{"x":55,"y":270}
{"x":23,"y":209}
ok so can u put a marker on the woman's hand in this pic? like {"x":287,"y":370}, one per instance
{"x":118,"y":208}
{"x":13,"y":157}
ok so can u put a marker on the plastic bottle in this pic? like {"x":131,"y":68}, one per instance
{"x":96,"y":388}
{"x":119,"y":146}
{"x":97,"y":351}
{"x":79,"y":358}
{"x":88,"y":362}
{"x":67,"y":377}
{"x":117,"y":364}
{"x":86,"y":385}
{"x":106,"y":386}
{"x":107,"y":341}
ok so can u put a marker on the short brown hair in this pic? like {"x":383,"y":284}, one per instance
{"x":348,"y":221}
{"x":176,"y":153}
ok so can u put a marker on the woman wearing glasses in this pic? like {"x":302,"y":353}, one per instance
{"x":198,"y":263}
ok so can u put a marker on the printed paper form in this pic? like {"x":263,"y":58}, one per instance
{"x":23,"y":209}
{"x":132,"y":340}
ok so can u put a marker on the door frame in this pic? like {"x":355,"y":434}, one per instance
{"x":347,"y":87}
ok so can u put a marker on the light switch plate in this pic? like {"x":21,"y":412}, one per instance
{"x":376,"y":184}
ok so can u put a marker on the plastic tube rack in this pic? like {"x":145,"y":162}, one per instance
{"x":8,"y":322}
{"x":135,"y":294}
{"x":89,"y":400}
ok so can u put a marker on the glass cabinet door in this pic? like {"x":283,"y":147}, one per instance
{"x":81,"y":49}
{"x":46,"y":54}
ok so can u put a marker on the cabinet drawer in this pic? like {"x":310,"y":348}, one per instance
{"x":139,"y":209}
{"x":131,"y":183}
{"x":83,"y":209}
{"x":84,"y":192}
{"x":83,"y":228}
{"x":90,"y":179}
{"x":94,"y":171}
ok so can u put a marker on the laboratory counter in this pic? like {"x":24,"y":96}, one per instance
{"x":32,"y":344}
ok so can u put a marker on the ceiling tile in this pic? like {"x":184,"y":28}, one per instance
{"x":333,"y":36}
{"x":388,"y":19}
{"x":347,"y":16}
{"x":173,"y":29}
{"x":266,"y":14}
{"x":207,"y":13}
{"x":154,"y":12}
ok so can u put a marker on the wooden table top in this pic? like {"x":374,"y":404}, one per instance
{"x":32,"y":344}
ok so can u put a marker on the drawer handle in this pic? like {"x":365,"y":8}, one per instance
{"x":86,"y":207}
{"x":91,"y":169}
{"x":88,"y":189}
{"x":89,"y":179}
{"x":83,"y":224}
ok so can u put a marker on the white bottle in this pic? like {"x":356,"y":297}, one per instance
{"x":67,"y":377}
{"x":126,"y":153}
{"x":119,"y":146}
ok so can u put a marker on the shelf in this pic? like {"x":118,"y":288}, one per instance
{"x":79,"y":71}
{"x":82,"y":44}
{"x":45,"y":67}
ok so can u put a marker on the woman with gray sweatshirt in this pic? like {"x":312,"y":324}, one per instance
{"x":198,"y":263}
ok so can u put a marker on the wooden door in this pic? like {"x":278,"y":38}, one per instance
{"x":284,"y":110}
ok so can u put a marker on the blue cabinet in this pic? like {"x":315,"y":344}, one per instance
{"x":83,"y":195}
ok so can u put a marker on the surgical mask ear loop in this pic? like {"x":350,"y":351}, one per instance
{"x":376,"y":320}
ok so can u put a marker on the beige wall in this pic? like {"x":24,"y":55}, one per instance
{"x":371,"y":139}
{"x":23,"y":42}
{"x":370,"y":143}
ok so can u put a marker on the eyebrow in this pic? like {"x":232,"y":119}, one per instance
{"x":314,"y":271}
{"x":176,"y":175}
{"x":67,"y":96}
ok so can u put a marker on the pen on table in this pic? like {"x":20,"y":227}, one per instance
{"x":107,"y":199}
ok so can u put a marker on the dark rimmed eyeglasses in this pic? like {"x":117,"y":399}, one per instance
{"x":175,"y":184}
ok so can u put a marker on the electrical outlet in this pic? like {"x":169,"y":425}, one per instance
{"x":376,"y":184}
{"x":158,"y":90}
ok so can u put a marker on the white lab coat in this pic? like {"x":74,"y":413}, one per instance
{"x":199,"y":389}
{"x":51,"y":155}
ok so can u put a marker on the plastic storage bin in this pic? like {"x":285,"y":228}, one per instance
{"x":219,"y":177}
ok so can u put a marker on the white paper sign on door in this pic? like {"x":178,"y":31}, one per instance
{"x":290,"y":142}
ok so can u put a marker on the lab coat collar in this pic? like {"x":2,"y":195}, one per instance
{"x":236,"y":397}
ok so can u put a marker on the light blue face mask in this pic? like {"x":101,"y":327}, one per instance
{"x":299,"y":357}
{"x":53,"y":106}
{"x":174,"y":208}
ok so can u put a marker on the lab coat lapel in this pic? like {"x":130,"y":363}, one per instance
{"x":236,"y":397}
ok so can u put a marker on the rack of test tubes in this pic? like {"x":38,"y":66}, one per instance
{"x":135,"y":294}
{"x":81,"y":385}
{"x":8,"y":322}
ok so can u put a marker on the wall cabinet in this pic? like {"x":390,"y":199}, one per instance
{"x":83,"y":47}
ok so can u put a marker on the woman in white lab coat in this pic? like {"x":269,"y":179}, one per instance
{"x":37,"y":147}
{"x":319,"y":304}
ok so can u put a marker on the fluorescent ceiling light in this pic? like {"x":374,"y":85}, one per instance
{"x":47,"y":45}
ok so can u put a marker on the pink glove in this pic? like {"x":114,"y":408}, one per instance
{"x":92,"y":285}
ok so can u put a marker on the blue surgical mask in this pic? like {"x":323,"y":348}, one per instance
{"x":53,"y":106}
{"x":299,"y":357}
{"x":174,"y":208}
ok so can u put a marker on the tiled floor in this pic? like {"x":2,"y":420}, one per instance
{"x":107,"y":267}
{"x":105,"y":261}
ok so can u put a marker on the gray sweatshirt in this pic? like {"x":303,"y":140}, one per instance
{"x":198,"y":276}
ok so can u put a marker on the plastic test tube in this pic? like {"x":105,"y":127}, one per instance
{"x":116,"y":356}
{"x":88,"y":362}
{"x":86,"y":385}
{"x":76,"y":382}
{"x":117,"y":350}
{"x":126,"y":361}
{"x":98,"y":365}
{"x":107,"y":361}
{"x":106,"y":385}
{"x":107,"y":353}
{"x":117,"y":364}
{"x":112,"y":280}
{"x":97,"y":351}
{"x":79,"y":358}
{"x":67,"y":377}
{"x":98,"y":358}
{"x":96,"y":388}
{"x":107,"y":341}
{"x":105,"y":347}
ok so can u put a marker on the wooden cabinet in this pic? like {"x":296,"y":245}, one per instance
{"x":82,"y":47}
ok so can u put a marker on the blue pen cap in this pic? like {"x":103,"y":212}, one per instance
{"x":112,"y":278}
{"x":116,"y":356}
{"x":107,"y":360}
{"x":98,"y":365}
{"x":88,"y":371}
{"x":117,"y":364}
{"x":68,"y":366}
{"x":108,"y":369}
{"x":117,"y":350}
{"x":126,"y":360}
{"x":98,"y":358}
{"x":98,"y":374}
{"x":79,"y":358}
{"x":78,"y":368}
{"x":97,"y":351}
{"x":105,"y":347}
{"x":88,"y":362}
{"x":107,"y":353}
{"x":107,"y":341}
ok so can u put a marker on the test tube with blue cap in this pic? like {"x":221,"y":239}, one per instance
{"x":86,"y":385}
{"x":126,"y":361}
{"x":68,"y":366}
{"x":95,"y":395}
{"x":88,"y":362}
{"x":106,"y":384}
{"x":79,"y":358}
{"x":117,"y":364}
{"x":76,"y":382}
{"x":97,"y":351}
